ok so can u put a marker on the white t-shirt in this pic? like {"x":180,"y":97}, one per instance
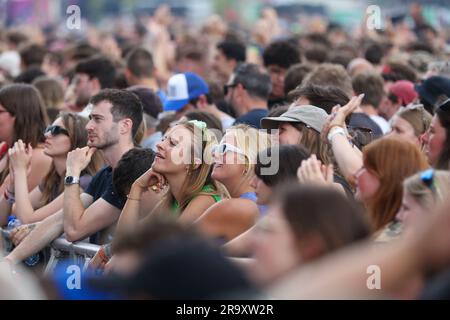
{"x":382,"y":123}
{"x":227,"y":122}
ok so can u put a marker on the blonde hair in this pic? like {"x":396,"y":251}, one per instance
{"x":198,"y":175}
{"x":252,"y":141}
{"x":417,"y":117}
{"x":428,"y":197}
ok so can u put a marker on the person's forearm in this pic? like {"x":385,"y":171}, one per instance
{"x":346,"y":275}
{"x":5,"y":210}
{"x":42,"y":235}
{"x":47,"y":210}
{"x":348,"y":158}
{"x":24,"y":210}
{"x":73,"y":211}
{"x":129,"y":217}
{"x":239,"y":246}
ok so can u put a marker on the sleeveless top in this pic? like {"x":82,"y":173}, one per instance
{"x":252,"y":197}
{"x":207,"y":188}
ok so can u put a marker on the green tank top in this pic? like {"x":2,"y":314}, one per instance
{"x":206,"y":189}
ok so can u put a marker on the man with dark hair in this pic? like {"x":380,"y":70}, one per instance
{"x":294,"y":77}
{"x":335,"y":76}
{"x":317,"y":53}
{"x":278,"y":57}
{"x":324,"y":97}
{"x":228,"y":55}
{"x":247,"y":91}
{"x":29,"y":75}
{"x":141,"y":71}
{"x":115,"y":117}
{"x":15,"y":38}
{"x":372,"y":85}
{"x":91,"y":76}
{"x":53,"y":63}
{"x":125,"y":175}
{"x":374,"y":53}
{"x":152,"y":108}
{"x":32,"y":54}
{"x":394,"y":71}
{"x":190,"y":58}
{"x":328,"y":74}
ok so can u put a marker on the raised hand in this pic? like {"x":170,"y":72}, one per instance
{"x":20,"y":156}
{"x":339,"y":114}
{"x":312,"y":171}
{"x":78,"y":160}
{"x":150,"y":180}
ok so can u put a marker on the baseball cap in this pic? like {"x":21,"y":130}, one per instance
{"x":404,"y":91}
{"x":432,"y":88}
{"x":312,"y":116}
{"x":182,"y":88}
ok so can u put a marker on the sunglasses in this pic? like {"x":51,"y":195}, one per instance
{"x":445,"y":106}
{"x":223,"y":148}
{"x":427,"y":178}
{"x":227,"y":87}
{"x":56,"y":130}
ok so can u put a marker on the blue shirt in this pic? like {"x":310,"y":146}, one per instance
{"x":252,"y":196}
{"x":253,"y":118}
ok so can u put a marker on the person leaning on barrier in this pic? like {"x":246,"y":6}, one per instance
{"x":114,"y":120}
{"x":123,"y":177}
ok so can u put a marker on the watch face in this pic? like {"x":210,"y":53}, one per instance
{"x":69,"y":179}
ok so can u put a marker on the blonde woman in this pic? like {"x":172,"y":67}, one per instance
{"x":422,"y":192}
{"x":182,"y":170}
{"x":411,"y":123}
{"x":234,"y":161}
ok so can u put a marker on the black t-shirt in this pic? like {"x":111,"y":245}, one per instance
{"x":253,"y":118}
{"x":362,"y":120}
{"x":102,"y":186}
{"x":273,"y":103}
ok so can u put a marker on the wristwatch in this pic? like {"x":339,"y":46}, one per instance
{"x":71,"y":180}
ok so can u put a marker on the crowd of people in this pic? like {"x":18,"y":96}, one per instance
{"x":228,"y":162}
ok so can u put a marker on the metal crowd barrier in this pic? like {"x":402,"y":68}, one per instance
{"x":79,"y":252}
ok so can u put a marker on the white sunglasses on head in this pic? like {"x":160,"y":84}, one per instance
{"x":226,"y":147}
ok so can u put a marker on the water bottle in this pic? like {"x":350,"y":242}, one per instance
{"x":33,"y":260}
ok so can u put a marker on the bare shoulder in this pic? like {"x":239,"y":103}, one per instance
{"x":196,"y":208}
{"x":229,"y":208}
{"x":236,"y":205}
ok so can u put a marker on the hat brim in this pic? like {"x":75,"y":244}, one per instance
{"x":274,"y":122}
{"x":175,"y":105}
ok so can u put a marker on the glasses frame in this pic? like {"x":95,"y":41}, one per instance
{"x":226,"y":148}
{"x":56,"y":130}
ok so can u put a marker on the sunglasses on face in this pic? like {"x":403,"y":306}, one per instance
{"x":427,"y":178}
{"x":227,"y":87}
{"x":223,"y":148}
{"x":445,"y":106}
{"x":56,"y":130}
